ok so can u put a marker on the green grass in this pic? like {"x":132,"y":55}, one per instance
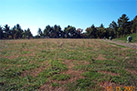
{"x":55,"y":84}
{"x":27,"y":65}
{"x":93,"y":75}
{"x":124,"y":39}
{"x":61,"y":77}
{"x":81,"y":85}
{"x":57,"y":65}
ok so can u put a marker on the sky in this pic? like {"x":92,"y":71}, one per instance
{"x":36,"y":14}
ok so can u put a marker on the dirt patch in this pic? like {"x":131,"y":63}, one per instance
{"x":133,"y":62}
{"x":36,"y":71}
{"x":33,"y":72}
{"x":82,"y":63}
{"x":109,"y":73}
{"x":69,"y":63}
{"x":101,"y":57}
{"x":12,"y":57}
{"x":48,"y":87}
{"x":124,"y":49}
{"x":21,"y":55}
{"x":132,"y":71}
{"x":27,"y":55}
{"x":74,"y":75}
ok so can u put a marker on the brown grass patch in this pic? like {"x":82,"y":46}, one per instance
{"x":12,"y":57}
{"x":74,"y":75}
{"x":48,"y":87}
{"x":101,"y":57}
{"x":33,"y":72}
{"x":107,"y":72}
{"x":82,"y":62}
{"x":36,"y":71}
{"x":27,"y":55}
{"x":132,"y":71}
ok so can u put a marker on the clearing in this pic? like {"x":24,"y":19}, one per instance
{"x":66,"y":65}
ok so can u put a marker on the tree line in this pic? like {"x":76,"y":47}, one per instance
{"x":116,"y":29}
{"x":15,"y":33}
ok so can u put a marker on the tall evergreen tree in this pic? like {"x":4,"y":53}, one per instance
{"x":124,"y":25}
{"x":6,"y":31}
{"x":14,"y":32}
{"x":1,"y":33}
{"x":101,"y":31}
{"x":19,"y":30}
{"x":113,"y":28}
{"x":40,"y":33}
{"x":91,"y":32}
{"x":70,"y":32}
{"x":134,"y":25}
{"x":57,"y":32}
{"x":47,"y":31}
{"x":29,"y":34}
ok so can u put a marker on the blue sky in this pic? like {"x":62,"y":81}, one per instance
{"x":36,"y":14}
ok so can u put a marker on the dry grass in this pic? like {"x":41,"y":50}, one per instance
{"x":27,"y":64}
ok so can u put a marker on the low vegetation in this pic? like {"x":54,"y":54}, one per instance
{"x":124,"y":38}
{"x":65,"y":64}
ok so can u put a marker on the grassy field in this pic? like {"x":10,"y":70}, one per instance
{"x":124,"y":39}
{"x":66,"y":65}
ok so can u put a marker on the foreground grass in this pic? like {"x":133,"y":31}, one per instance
{"x":65,"y":64}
